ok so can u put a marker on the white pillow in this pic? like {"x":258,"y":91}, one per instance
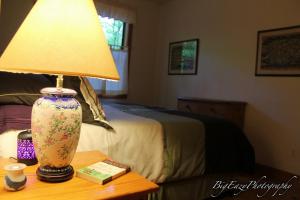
{"x":8,"y":143}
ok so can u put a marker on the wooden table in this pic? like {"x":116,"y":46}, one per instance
{"x":129,"y":186}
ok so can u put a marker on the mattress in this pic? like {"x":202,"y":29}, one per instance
{"x":160,"y":146}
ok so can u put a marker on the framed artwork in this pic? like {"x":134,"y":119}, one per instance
{"x":278,"y":52}
{"x":183,"y":57}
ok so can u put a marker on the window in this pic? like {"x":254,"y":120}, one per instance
{"x":116,"y":33}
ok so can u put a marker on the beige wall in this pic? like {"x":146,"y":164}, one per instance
{"x":13,"y":12}
{"x":143,"y":52}
{"x":227,"y":32}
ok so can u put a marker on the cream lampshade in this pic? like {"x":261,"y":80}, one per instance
{"x":60,"y":37}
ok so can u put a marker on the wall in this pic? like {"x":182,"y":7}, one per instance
{"x":227,"y":32}
{"x":143,"y":52}
{"x":13,"y":12}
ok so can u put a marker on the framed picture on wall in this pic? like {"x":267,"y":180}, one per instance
{"x":278,"y":52}
{"x":183,"y":57}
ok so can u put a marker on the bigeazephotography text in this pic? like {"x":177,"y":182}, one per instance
{"x":262,"y":185}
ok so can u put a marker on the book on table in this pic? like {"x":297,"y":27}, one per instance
{"x":102,"y":172}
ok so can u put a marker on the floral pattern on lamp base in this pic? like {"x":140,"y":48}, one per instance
{"x":56,"y":124}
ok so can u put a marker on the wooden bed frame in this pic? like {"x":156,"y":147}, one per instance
{"x":233,"y":111}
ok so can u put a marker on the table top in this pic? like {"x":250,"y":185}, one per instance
{"x":77,"y":188}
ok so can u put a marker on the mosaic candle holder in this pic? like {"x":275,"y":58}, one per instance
{"x":25,"y":149}
{"x":14,"y":178}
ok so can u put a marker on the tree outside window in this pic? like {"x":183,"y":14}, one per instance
{"x":114,"y":32}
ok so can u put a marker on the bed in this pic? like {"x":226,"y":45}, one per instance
{"x":185,"y":153}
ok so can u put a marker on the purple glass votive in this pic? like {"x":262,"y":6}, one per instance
{"x":25,"y":148}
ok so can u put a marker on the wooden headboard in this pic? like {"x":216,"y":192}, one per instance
{"x":233,"y":111}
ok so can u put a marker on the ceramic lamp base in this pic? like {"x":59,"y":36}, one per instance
{"x":54,"y":175}
{"x":55,"y":123}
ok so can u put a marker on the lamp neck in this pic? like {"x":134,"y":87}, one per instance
{"x":59,"y":81}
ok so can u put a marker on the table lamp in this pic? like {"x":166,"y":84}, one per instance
{"x":59,"y":37}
